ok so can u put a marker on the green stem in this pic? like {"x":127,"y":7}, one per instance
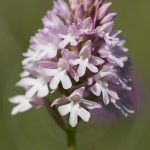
{"x":71,"y":133}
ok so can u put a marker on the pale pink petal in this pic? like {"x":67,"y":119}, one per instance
{"x":88,"y":23}
{"x":21,"y":108}
{"x":73,"y":42}
{"x":82,"y":68}
{"x":24,"y":74}
{"x":110,"y":58}
{"x":63,"y":43}
{"x":103,"y":74}
{"x":96,"y":89}
{"x":105,"y":96}
{"x":42,"y":54}
{"x":113,"y":94}
{"x":75,"y":62}
{"x":74,"y":74}
{"x":80,"y":90}
{"x":66,"y":82}
{"x":107,"y":27}
{"x":65,"y":109}
{"x":55,"y":81}
{"x":90,"y":105}
{"x":73,"y":119}
{"x":86,"y":48}
{"x":50,"y":72}
{"x":27,"y":81}
{"x":83,"y":113}
{"x":60,"y":101}
{"x":103,"y":53}
{"x":118,"y":61}
{"x":48,"y":64}
{"x":92,"y":67}
{"x":17,"y":99}
{"x":25,"y":107}
{"x":115,"y":80}
{"x":96,"y":60}
{"x":43,"y":91}
{"x":32,"y":91}
{"x":16,"y":109}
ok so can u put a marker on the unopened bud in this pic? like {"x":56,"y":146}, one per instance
{"x":88,"y":4}
{"x":79,"y":11}
{"x":103,"y":10}
{"x":108,"y":18}
{"x":97,"y":2}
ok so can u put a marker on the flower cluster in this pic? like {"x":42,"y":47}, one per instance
{"x":78,"y":54}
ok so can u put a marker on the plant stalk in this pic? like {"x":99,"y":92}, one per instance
{"x":71,"y":135}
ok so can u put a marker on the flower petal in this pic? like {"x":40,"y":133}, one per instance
{"x":25,"y":107}
{"x":55,"y":81}
{"x":60,"y":101}
{"x":66,"y":82}
{"x":96,"y":89}
{"x":27,"y":81}
{"x":30,"y":93}
{"x":75,"y":62}
{"x":84,"y":114}
{"x":21,"y":108}
{"x":65,"y":42}
{"x":113,"y":94}
{"x":17,"y":99}
{"x":43,"y":91}
{"x":82,"y":68}
{"x":105,"y":96}
{"x":16,"y":109}
{"x":90,"y":105}
{"x":80,"y":90}
{"x":96,"y":60}
{"x":92,"y":68}
{"x":50,"y":72}
{"x":65,"y":109}
{"x":73,"y":119}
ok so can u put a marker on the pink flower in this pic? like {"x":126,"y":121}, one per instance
{"x":60,"y":74}
{"x":85,"y":26}
{"x":86,"y":60}
{"x":71,"y":37}
{"x":76,"y":50}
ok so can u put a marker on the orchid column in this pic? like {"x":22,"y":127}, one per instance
{"x":78,"y":54}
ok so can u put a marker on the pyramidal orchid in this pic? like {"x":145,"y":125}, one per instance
{"x":78,"y":54}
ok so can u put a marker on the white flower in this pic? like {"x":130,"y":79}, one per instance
{"x":34,"y":86}
{"x":105,"y":31}
{"x":86,"y":60}
{"x":71,"y":37}
{"x":102,"y":87}
{"x":74,"y":107}
{"x":60,"y":74}
{"x":24,"y":103}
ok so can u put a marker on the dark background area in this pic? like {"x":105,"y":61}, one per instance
{"x":35,"y":129}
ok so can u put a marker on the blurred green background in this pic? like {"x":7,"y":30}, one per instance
{"x":35,"y":130}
